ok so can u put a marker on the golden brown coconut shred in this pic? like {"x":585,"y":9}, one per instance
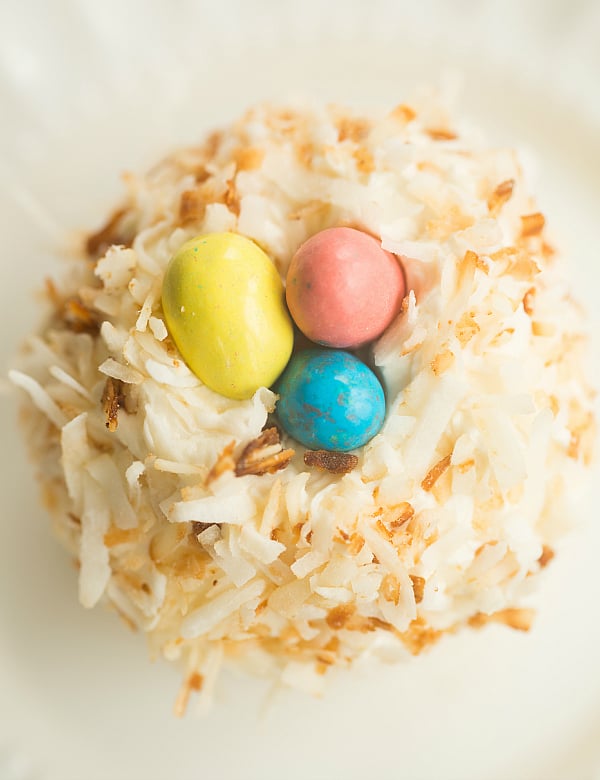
{"x":532,"y":224}
{"x":500,"y":196}
{"x":112,"y":400}
{"x":263,"y":455}
{"x":334,"y":462}
{"x":110,"y":233}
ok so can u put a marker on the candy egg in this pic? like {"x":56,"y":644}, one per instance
{"x":224,"y":307}
{"x":343,"y":289}
{"x":330,"y":400}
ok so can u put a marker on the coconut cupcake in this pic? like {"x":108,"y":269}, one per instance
{"x":198,"y":453}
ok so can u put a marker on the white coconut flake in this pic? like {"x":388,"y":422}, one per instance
{"x":236,"y":509}
{"x":105,"y":472}
{"x":173,"y":376}
{"x":431,"y":423}
{"x":505,"y":450}
{"x":308,"y":563}
{"x":95,"y":570}
{"x":158,"y":328}
{"x":160,"y":464}
{"x":68,"y":380}
{"x":116,"y":370}
{"x":132,"y":476}
{"x":116,"y":267}
{"x":76,"y":452}
{"x":145,"y":314}
{"x":424,"y":251}
{"x":113,"y":337}
{"x":263,"y":548}
{"x":39,"y":396}
{"x":217,"y":609}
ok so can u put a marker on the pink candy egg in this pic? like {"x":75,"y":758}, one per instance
{"x":343,"y":289}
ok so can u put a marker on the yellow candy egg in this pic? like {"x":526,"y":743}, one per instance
{"x":223,"y":303}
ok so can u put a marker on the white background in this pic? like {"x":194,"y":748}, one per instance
{"x":88,"y":89}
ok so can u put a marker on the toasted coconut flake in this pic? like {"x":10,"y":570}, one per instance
{"x":367,"y":625}
{"x":112,"y":401}
{"x":403,"y":113}
{"x":441,"y":134}
{"x":263,"y":455}
{"x":506,"y":254}
{"x":232,"y":198}
{"x":543,"y":329}
{"x":383,"y":530}
{"x":390,"y":588}
{"x":500,"y":196}
{"x":419,"y":636}
{"x":442,"y":361}
{"x":403,"y":513}
{"x":466,"y":328}
{"x":546,"y":556}
{"x":212,"y":143}
{"x":353,"y":129}
{"x":471,"y":261}
{"x":451,"y":221}
{"x":466,"y":465}
{"x":248,"y":158}
{"x":525,"y":268}
{"x":192,"y":206}
{"x":225,"y":462}
{"x":375,"y":623}
{"x":116,"y":536}
{"x":357,"y":542}
{"x":574,"y":442}
{"x":192,"y":682}
{"x":435,"y":473}
{"x":109,"y":234}
{"x":51,"y":293}
{"x":529,"y":300}
{"x":338,"y":617}
{"x":334,"y":462}
{"x":325,"y":658}
{"x":78,"y":317}
{"x":364,"y":160}
{"x":532,"y":224}
{"x":418,"y":584}
{"x":518,"y":618}
{"x":548,"y":251}
{"x":583,"y":436}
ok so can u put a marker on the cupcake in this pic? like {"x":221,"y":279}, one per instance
{"x":314,"y":392}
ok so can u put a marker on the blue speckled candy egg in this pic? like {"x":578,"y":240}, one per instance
{"x":330,"y":400}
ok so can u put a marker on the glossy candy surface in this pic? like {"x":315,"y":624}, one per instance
{"x":343,"y":289}
{"x":330,"y":400}
{"x":224,"y":306}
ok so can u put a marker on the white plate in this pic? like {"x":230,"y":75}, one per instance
{"x":89,"y":88}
